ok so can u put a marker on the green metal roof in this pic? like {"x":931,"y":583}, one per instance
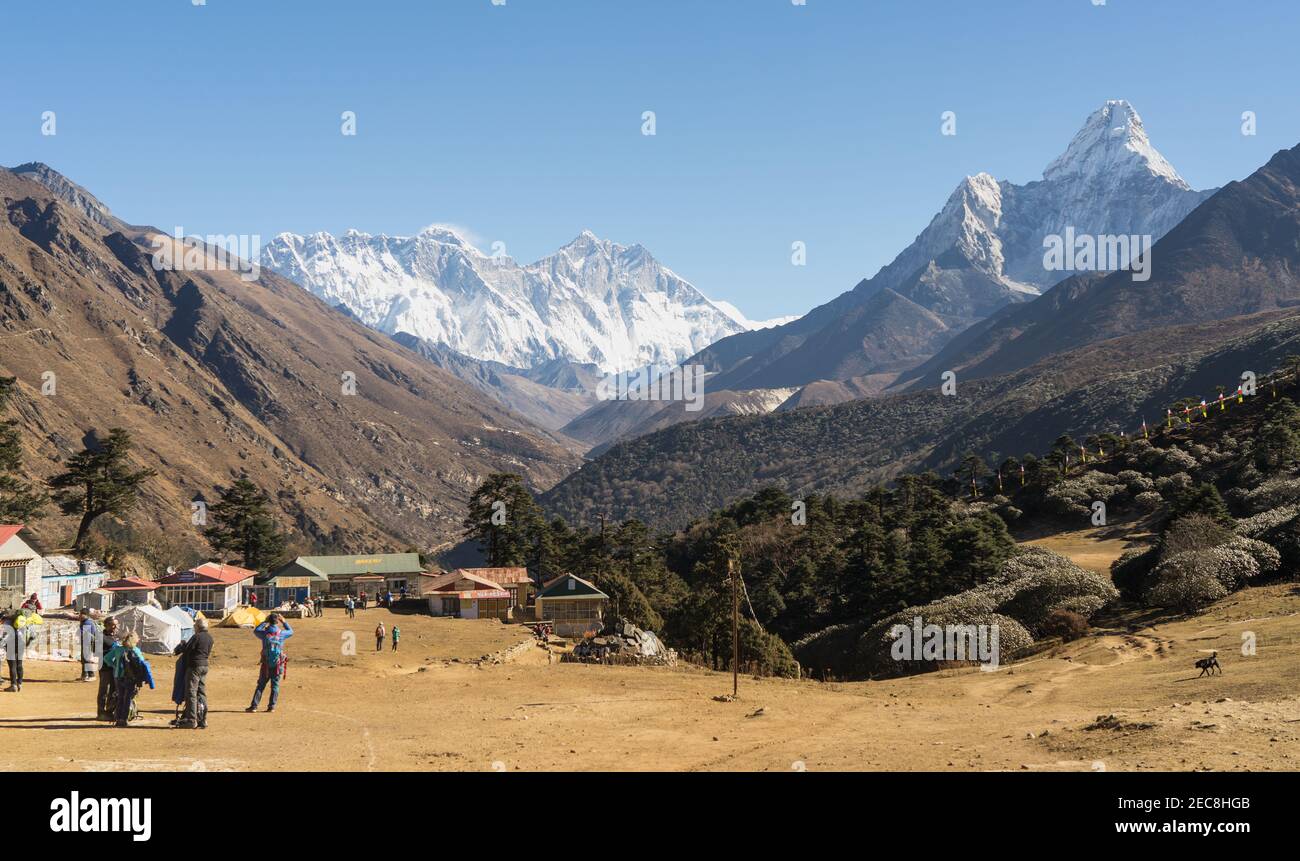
{"x":559,"y":588}
{"x":330,"y":567}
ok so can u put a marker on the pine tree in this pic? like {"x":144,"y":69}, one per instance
{"x":99,"y":481}
{"x":242,"y":523}
{"x":20,"y":502}
{"x":505,"y":521}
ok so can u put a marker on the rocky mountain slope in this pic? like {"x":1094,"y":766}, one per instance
{"x":849,"y":448}
{"x":983,"y":251}
{"x":1238,"y":253}
{"x":361,"y":443}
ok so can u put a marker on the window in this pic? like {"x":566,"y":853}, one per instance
{"x":13,"y":575}
{"x":196,"y":597}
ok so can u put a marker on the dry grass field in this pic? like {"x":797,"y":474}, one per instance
{"x":435,"y":706}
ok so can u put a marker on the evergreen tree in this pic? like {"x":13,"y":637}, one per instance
{"x":99,"y":481}
{"x":505,"y":521}
{"x":242,"y":523}
{"x":1203,"y":498}
{"x":20,"y":502}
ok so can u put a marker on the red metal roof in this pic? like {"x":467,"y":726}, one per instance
{"x":209,"y":572}
{"x":9,"y":531}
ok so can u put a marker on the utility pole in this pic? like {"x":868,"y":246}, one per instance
{"x":733,"y":567}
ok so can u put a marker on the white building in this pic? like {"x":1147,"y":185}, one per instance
{"x":20,"y":568}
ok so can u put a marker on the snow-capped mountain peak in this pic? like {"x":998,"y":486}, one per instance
{"x":1112,"y":141}
{"x":592,"y":301}
{"x":1110,"y":180}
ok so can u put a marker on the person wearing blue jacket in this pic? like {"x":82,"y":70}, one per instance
{"x":273,"y":632}
{"x":130,"y":672}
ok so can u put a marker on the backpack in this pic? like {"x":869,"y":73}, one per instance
{"x":274,"y":651}
{"x":134,"y":672}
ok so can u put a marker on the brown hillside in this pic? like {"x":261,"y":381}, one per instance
{"x":216,"y":376}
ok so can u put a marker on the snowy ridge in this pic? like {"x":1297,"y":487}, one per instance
{"x":593,"y":301}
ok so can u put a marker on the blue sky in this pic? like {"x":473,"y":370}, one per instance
{"x":522,"y":123}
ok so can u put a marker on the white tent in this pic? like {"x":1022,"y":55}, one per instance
{"x":185,"y":620}
{"x":159,"y":632}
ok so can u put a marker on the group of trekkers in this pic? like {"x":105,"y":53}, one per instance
{"x":123,"y":670}
{"x":362,"y":601}
{"x":115,"y":658}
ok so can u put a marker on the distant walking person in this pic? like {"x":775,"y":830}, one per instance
{"x":13,"y":641}
{"x":379,"y":637}
{"x":273,"y":632}
{"x":195,"y":653}
{"x":350,"y":606}
{"x":363,"y":599}
{"x":104,"y":703}
{"x":397,"y":635}
{"x":130,"y":672}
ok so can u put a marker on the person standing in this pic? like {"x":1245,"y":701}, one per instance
{"x":273,"y":632}
{"x":379,"y":637}
{"x":397,"y":635}
{"x":350,"y":607}
{"x":104,"y":707}
{"x":130,"y":672}
{"x":13,"y":640}
{"x":90,"y":649}
{"x":195,"y":652}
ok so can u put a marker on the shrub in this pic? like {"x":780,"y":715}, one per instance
{"x":1131,"y":571}
{"x":1191,"y":580}
{"x":1174,"y":460}
{"x":1149,"y":500}
{"x":1185,"y":590}
{"x":768,"y":652}
{"x":1064,"y":624}
{"x":1034,"y":588}
{"x":1074,"y":496}
{"x":1191,"y":533}
{"x":1274,"y":493}
{"x":875,"y":651}
{"x":1267,"y":521}
{"x":1170,"y":485}
{"x":1232,"y":567}
{"x":1029,"y":587}
{"x":1266,"y":556}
